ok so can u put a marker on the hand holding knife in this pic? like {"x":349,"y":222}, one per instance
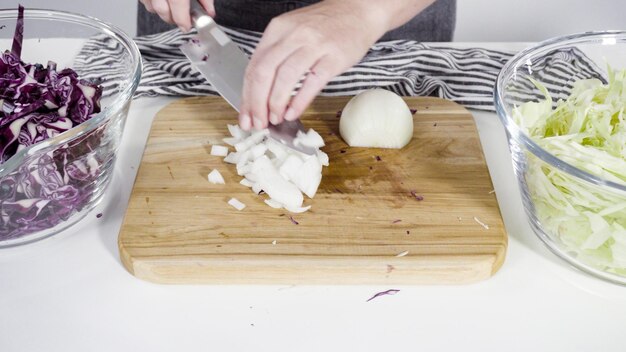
{"x":223,"y":64}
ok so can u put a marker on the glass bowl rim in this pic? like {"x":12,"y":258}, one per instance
{"x":522,"y":138}
{"x":103,"y":116}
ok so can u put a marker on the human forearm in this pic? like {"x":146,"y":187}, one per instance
{"x":388,"y":14}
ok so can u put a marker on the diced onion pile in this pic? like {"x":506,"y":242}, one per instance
{"x":270,"y":166}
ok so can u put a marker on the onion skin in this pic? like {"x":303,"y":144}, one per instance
{"x":376,"y":119}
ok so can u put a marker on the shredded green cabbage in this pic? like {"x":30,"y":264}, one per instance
{"x":588,"y":131}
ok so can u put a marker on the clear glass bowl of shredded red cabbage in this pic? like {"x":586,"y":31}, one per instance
{"x":563,"y":105}
{"x":61,"y":118}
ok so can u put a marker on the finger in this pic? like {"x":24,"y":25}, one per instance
{"x":148,"y":5}
{"x":245,"y":122}
{"x":288,"y":75}
{"x":180,"y":14}
{"x":208,"y":6}
{"x":258,"y":81}
{"x":323,"y":71}
{"x":162,"y":8}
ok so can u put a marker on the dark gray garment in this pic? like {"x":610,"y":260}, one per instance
{"x":434,"y":24}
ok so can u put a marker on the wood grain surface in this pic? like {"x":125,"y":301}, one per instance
{"x":179,"y":228}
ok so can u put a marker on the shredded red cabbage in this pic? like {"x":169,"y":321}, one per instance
{"x":383,"y":293}
{"x":37,"y":103}
{"x":293,"y":221}
{"x":19,"y":32}
{"x":417,"y":197}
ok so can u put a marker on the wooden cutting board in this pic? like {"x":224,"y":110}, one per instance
{"x":365,"y":226}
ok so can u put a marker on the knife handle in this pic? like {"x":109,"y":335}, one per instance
{"x":199,"y":17}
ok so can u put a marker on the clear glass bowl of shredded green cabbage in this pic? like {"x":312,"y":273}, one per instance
{"x":563,"y":103}
{"x":61,"y":118}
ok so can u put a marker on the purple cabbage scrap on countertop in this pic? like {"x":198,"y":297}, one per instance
{"x":38,"y":103}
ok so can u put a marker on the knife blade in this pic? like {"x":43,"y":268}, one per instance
{"x":223,"y":64}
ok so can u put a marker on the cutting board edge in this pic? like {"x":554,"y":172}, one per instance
{"x":199,"y":270}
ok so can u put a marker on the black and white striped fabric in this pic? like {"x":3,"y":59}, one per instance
{"x":408,"y":68}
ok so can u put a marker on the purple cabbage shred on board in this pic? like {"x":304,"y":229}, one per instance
{"x":417,"y":197}
{"x":383,"y":293}
{"x":37,"y":103}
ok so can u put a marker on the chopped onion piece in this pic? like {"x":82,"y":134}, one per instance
{"x":219,"y":150}
{"x":245,"y":157}
{"x":258,"y":151}
{"x":251,"y":177}
{"x":278,"y":149}
{"x":231,"y":141}
{"x":235,"y":203}
{"x":402,"y":254}
{"x":298,"y":210}
{"x":255,"y":138}
{"x":310,"y":139}
{"x":216,"y":178}
{"x":278,"y":162}
{"x":274,"y":204}
{"x":323,"y":158}
{"x":256,"y":188}
{"x":243,"y":168}
{"x":246,"y":182}
{"x":232,"y":158}
{"x":290,"y":167}
{"x":237,"y":132}
{"x":309,"y":177}
{"x":275,"y":185}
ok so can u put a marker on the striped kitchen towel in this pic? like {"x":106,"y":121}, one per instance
{"x":409,"y":68}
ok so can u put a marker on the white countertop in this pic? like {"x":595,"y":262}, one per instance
{"x":71,"y":293}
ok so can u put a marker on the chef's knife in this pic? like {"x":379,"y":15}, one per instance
{"x":223,"y":64}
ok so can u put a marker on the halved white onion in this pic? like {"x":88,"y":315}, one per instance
{"x":377,"y":119}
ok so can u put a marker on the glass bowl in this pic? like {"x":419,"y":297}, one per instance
{"x":49,"y":186}
{"x":557,"y":196}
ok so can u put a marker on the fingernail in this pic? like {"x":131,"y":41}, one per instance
{"x":273,"y":118}
{"x":244,"y":122}
{"x":258,"y":124}
{"x":290,"y":115}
